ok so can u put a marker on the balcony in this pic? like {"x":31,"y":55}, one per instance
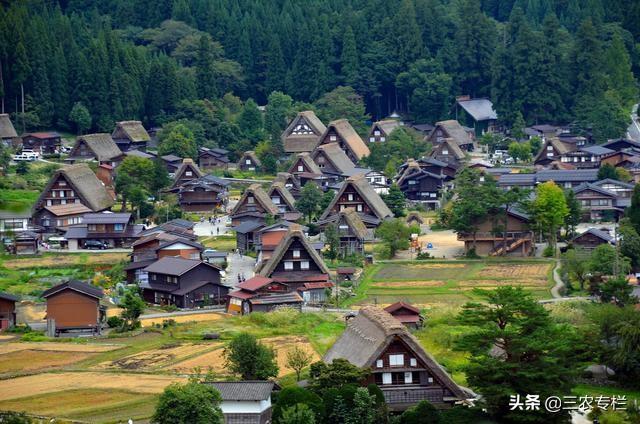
{"x":484,"y":235}
{"x":399,"y":397}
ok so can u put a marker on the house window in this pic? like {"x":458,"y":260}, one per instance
{"x":386,"y":378}
{"x":118,"y":227}
{"x":247,"y":162}
{"x":304,"y":265}
{"x":62,"y":183}
{"x":350,"y":197}
{"x":383,"y":138}
{"x":288,"y":265}
{"x":344,"y":227}
{"x":372,"y":139}
{"x":188,"y":173}
{"x":567,"y":185}
{"x":412,"y":182}
{"x":296,"y":253}
{"x":432,"y":195}
{"x":333,"y":138}
{"x":549,"y":148}
{"x":379,"y":363}
{"x":396,"y":360}
{"x":376,"y":133}
{"x":71,"y":194}
{"x":275,"y":200}
{"x":413,"y":362}
{"x":63,"y":202}
{"x":250,"y":199}
{"x":430,"y":380}
{"x":359,"y":208}
{"x":445,"y":151}
{"x":408,"y":377}
{"x":300,"y":168}
{"x":153,"y":277}
{"x":61,"y":193}
{"x":549,"y":154}
{"x":49,"y":202}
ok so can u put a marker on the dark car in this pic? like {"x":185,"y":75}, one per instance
{"x":96,"y":244}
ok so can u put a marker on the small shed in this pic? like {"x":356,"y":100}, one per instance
{"x":593,"y":238}
{"x":7,"y":310}
{"x":26,"y":243}
{"x":414,"y":218}
{"x":245,"y":401}
{"x":74,"y":306}
{"x":407,"y":314}
{"x":345,"y":274}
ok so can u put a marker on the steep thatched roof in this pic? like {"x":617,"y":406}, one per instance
{"x":307,"y":161}
{"x":85,"y":184}
{"x":286,"y":195}
{"x":336,"y":156}
{"x":368,"y":194}
{"x":351,"y":138}
{"x":352,"y":219}
{"x":305,"y":140}
{"x":452,"y":147}
{"x":295,"y":233}
{"x":102,"y":145}
{"x":187,"y":165}
{"x":260,"y":196}
{"x":414,"y":216}
{"x":249,"y":155}
{"x":455,"y":130}
{"x":6,"y":127}
{"x":368,"y":335}
{"x":386,"y":126}
{"x":558,"y":145}
{"x":132,"y":130}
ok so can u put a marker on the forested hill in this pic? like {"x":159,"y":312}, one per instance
{"x":550,"y":60}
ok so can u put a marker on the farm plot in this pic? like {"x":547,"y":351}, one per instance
{"x":155,"y":359}
{"x":149,"y":322}
{"x":31,"y":360}
{"x":65,"y":259}
{"x":58,"y":347}
{"x":449,"y":283}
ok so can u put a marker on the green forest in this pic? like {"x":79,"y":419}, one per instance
{"x":552,"y":61}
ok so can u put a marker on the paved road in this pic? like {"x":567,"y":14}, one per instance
{"x":206,"y":229}
{"x":633,"y":132}
{"x":237,"y":264}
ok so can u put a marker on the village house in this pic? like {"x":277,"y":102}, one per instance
{"x":177,"y":227}
{"x":399,"y":365}
{"x":451,"y":129}
{"x":296,"y":263}
{"x":205,"y":194}
{"x":356,"y":193}
{"x":45,"y":143}
{"x":449,"y":152}
{"x":302,"y":133}
{"x":254,"y":205}
{"x":267,"y":239}
{"x":478,"y":112}
{"x":381,"y":130}
{"x":7,"y":311}
{"x":568,"y":152}
{"x":543,"y":131}
{"x":245,"y":402}
{"x":246,"y":235}
{"x":284,"y":201}
{"x":185,"y":283}
{"x":290,"y":182}
{"x":71,"y":192}
{"x":261,"y":294}
{"x":407,"y":314}
{"x":249,"y":162}
{"x":334,"y":163}
{"x":15,"y":222}
{"x":494,"y":238}
{"x":420,"y":185}
{"x":304,"y":169}
{"x":619,"y":188}
{"x":140,"y":154}
{"x":187,"y":171}
{"x":98,"y":147}
{"x":214,"y":158}
{"x":172,"y":162}
{"x":352,"y":232}
{"x":26,"y":243}
{"x":592,"y":238}
{"x":7,"y":131}
{"x":74,"y":306}
{"x":150,"y":248}
{"x":115,"y":230}
{"x":565,"y":178}
{"x":130,"y":135}
{"x":342,"y":132}
{"x":598,"y":203}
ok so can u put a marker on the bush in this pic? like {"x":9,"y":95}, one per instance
{"x":471,"y":254}
{"x":19,"y":329}
{"x":548,"y":252}
{"x":115,"y":322}
{"x":423,"y":255}
{"x":169,"y":308}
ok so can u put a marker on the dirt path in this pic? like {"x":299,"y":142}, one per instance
{"x":555,"y":290}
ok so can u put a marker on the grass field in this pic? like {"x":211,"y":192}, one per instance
{"x":225,"y":243}
{"x":430,"y":283}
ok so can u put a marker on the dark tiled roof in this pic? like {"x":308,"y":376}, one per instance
{"x":585,"y":175}
{"x":274,"y":299}
{"x":174,"y":265}
{"x":8,"y":296}
{"x":254,"y":283}
{"x":247,"y":227}
{"x":106,"y":218}
{"x":479,"y":109}
{"x":603,"y":235}
{"x":243,"y":390}
{"x":597,"y":150}
{"x":75,"y":285}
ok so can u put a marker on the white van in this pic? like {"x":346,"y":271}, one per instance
{"x":28,"y":155}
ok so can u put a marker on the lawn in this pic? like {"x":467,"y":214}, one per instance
{"x":17,"y":200}
{"x":449,"y":283}
{"x":225,"y":243}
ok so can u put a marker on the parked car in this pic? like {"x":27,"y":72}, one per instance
{"x":26,"y":155}
{"x":96,"y":244}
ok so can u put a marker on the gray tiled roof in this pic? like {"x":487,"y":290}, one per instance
{"x":561,"y":175}
{"x":479,"y":109}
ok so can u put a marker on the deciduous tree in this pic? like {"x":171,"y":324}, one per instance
{"x":550,"y":210}
{"x":249,"y":358}
{"x":190,"y":403}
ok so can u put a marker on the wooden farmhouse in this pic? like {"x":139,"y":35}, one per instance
{"x":98,"y":147}
{"x":290,"y":182}
{"x":245,"y":402}
{"x":452,"y":129}
{"x":7,"y":311}
{"x":185,"y":283}
{"x":304,"y":169}
{"x":261,"y":294}
{"x":342,"y":132}
{"x":254,"y":205}
{"x":75,"y":306}
{"x":204,"y":194}
{"x":420,"y":185}
{"x":399,"y":365}
{"x":592,"y":238}
{"x":7,"y":131}
{"x":448,"y":151}
{"x":172,"y":162}
{"x":130,"y":135}
{"x":352,"y":232}
{"x":407,"y":314}
{"x":267,"y":239}
{"x":302,"y":133}
{"x":356,"y":193}
{"x":516,"y":239}
{"x":477,"y":112}
{"x":381,"y":130}
{"x":598,"y":203}
{"x":116,"y":230}
{"x":209,"y":159}
{"x":284,"y":201}
{"x":333,"y":162}
{"x":249,"y":162}
{"x":71,"y":192}
{"x":156,"y":246}
{"x":45,"y":143}
{"x":187,"y":171}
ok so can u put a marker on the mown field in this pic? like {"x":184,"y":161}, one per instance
{"x":116,"y":378}
{"x":449,"y":283}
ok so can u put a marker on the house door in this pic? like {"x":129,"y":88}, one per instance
{"x":245,"y":308}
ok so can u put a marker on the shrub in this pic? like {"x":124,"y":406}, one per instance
{"x":471,"y":254}
{"x":548,"y":252}
{"x":19,"y":329}
{"x":115,"y":322}
{"x":423,"y":255}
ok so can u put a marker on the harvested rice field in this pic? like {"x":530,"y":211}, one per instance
{"x":149,"y":322}
{"x":58,"y":347}
{"x":63,"y":260}
{"x":441,"y":283}
{"x":32,"y":360}
{"x":157,"y":359}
